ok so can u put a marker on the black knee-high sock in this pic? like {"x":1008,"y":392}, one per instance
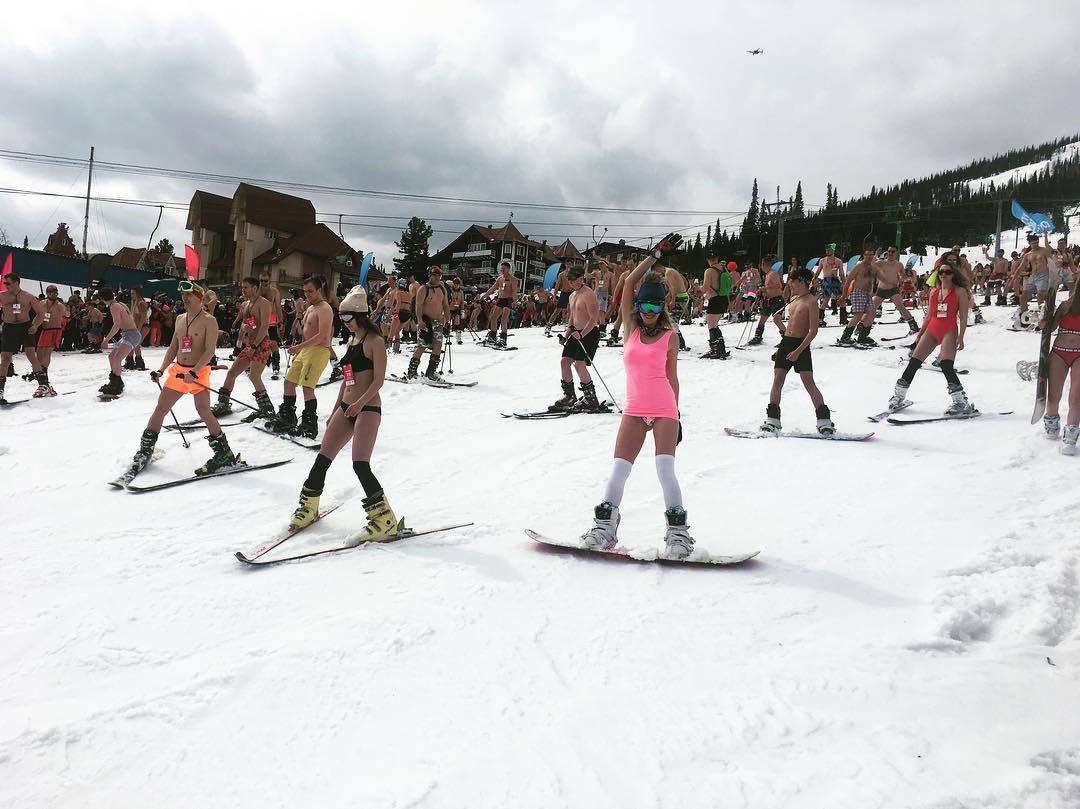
{"x":310,"y":405}
{"x":912,"y":367}
{"x":367,"y":478}
{"x":316,"y":478}
{"x":949,"y":370}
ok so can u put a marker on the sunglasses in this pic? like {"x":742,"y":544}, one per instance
{"x":650,"y":308}
{"x":946,"y":272}
{"x":890,"y":251}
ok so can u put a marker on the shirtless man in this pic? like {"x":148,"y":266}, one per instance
{"x":887,"y":273}
{"x":140,"y":313}
{"x":277,"y":316}
{"x":400,"y":304}
{"x":130,"y":337}
{"x":457,"y":306}
{"x":96,"y":319}
{"x":18,"y":334}
{"x":969,"y":273}
{"x":310,"y":358}
{"x":562,"y":291}
{"x":676,"y":284}
{"x":507,"y":286}
{"x":433,"y":306}
{"x":49,"y":324}
{"x":625,"y":267}
{"x":255,"y":349}
{"x":1034,"y":268}
{"x":999,"y":273}
{"x":716,"y":286}
{"x":831,"y":271}
{"x":794,"y":351}
{"x":580,"y":340}
{"x":772,"y":303}
{"x":186,"y":368}
{"x":603,"y":286}
{"x":857,"y":289}
{"x":749,"y":291}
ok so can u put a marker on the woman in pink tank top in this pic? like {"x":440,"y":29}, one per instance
{"x":650,"y":358}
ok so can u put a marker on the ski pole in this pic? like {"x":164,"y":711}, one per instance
{"x":227,"y":396}
{"x":591,"y":361}
{"x":180,"y":429}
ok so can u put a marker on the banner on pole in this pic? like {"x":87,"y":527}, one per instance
{"x":191,"y":262}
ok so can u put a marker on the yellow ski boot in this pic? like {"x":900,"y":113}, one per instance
{"x":382,"y":523}
{"x":307,"y":511}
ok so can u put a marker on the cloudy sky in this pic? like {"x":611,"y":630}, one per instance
{"x":638,"y":105}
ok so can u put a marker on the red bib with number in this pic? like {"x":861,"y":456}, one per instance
{"x":250,"y":322}
{"x":185,"y":344}
{"x":348,"y":373}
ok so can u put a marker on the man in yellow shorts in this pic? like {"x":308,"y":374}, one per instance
{"x":310,"y":358}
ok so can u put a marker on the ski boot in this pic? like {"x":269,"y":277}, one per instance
{"x":139,"y":364}
{"x":772,"y":419}
{"x":568,"y":400}
{"x":864,"y":338}
{"x":843,"y":316}
{"x":432,"y":371}
{"x":145,"y":452}
{"x":1052,"y":425}
{"x":979,"y":315}
{"x":825,"y":424}
{"x":266,"y":407}
{"x":490,"y":338}
{"x":899,"y":395}
{"x":588,"y":403}
{"x":307,"y":511}
{"x":129,"y":363}
{"x":501,"y":342}
{"x":757,"y":339}
{"x":336,"y":374}
{"x":414,"y":366}
{"x":457,"y":335}
{"x":309,"y":424}
{"x":223,"y":406}
{"x":397,"y":346}
{"x":913,"y":327}
{"x":1068,"y":439}
{"x":678,"y":542}
{"x":114,"y":387}
{"x":223,"y":456}
{"x":613,"y":339}
{"x":960,"y":405}
{"x":285,"y":420}
{"x":382,"y":524}
{"x":44,"y":391}
{"x":602,"y":535}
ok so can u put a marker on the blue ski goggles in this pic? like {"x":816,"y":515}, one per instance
{"x":647,"y":308}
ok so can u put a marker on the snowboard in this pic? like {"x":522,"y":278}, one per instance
{"x":647,"y":554}
{"x":1047,"y":338}
{"x":735,"y":433}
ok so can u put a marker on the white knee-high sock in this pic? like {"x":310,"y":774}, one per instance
{"x":665,"y":470}
{"x":620,"y":471}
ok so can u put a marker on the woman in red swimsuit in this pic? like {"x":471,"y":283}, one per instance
{"x":1065,"y":352}
{"x":944,"y":326}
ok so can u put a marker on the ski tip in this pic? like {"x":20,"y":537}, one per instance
{"x":242,"y":558}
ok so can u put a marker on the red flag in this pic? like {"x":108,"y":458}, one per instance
{"x":191,"y":262}
{"x":4,"y":272}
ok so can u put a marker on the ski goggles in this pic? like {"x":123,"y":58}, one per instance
{"x":191,"y":288}
{"x":650,"y":308}
{"x":346,"y":316}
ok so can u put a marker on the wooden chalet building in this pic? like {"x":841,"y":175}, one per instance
{"x":569,"y":255}
{"x":475,"y":255}
{"x":616,"y":251}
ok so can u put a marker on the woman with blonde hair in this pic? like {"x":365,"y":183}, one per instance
{"x":650,"y":359}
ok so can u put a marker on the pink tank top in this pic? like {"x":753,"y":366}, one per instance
{"x":648,"y":392}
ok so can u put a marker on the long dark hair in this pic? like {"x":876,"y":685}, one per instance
{"x":363,"y":320}
{"x":959,"y":279}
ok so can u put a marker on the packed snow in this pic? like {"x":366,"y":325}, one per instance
{"x":907,"y":637}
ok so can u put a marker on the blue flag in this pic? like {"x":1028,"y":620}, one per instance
{"x":551,"y":274}
{"x":812,"y":263}
{"x":1036,"y":222}
{"x":365,"y":265}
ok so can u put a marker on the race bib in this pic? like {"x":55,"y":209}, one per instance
{"x":943,"y":310}
{"x":16,"y":307}
{"x":48,"y":316}
{"x":250,"y":322}
{"x":185,"y":344}
{"x":347,"y":371}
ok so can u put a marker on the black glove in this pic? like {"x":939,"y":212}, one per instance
{"x":668,"y":244}
{"x":155,"y":375}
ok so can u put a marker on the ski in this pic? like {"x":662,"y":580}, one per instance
{"x":708,"y":355}
{"x":894,"y":339}
{"x":6,"y":404}
{"x":854,"y":345}
{"x":124,"y":481}
{"x":735,"y":433}
{"x":445,"y":383}
{"x":184,"y":425}
{"x":932,"y":367}
{"x":404,"y":380}
{"x":300,"y":441}
{"x":232,"y":470}
{"x":646,"y":554}
{"x":957,"y":417}
{"x":407,"y":533}
{"x":265,"y":547}
{"x":499,"y":348}
{"x":605,"y":407}
{"x":884,"y":414}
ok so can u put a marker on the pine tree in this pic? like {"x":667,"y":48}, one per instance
{"x":797,"y":206}
{"x":828,"y":196}
{"x":413,"y":247}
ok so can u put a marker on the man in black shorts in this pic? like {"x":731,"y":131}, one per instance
{"x":580,"y":340}
{"x":772,"y":303}
{"x":716,"y":287}
{"x":19,"y":309}
{"x":794,"y":352}
{"x":507,"y":285}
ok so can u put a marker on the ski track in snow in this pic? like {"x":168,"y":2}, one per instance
{"x":908,"y":636}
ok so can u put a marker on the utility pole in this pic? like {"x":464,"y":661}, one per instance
{"x":782,"y":214}
{"x":86,"y":216}
{"x":902,"y":215}
{"x":997,"y":237}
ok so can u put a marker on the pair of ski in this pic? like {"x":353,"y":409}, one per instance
{"x":544,"y":415}
{"x":431,"y":383}
{"x":648,"y":554}
{"x":255,"y":556}
{"x":6,"y":404}
{"x":708,"y":355}
{"x":932,"y":366}
{"x":125,"y":480}
{"x":886,"y":415}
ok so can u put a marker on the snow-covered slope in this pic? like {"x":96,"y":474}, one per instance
{"x":1066,"y":152}
{"x":908,"y":636}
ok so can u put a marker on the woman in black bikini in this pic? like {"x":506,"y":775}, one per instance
{"x":357,"y":414}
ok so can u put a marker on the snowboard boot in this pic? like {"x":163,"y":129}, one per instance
{"x":309,"y":423}
{"x":568,"y":400}
{"x":266,"y":407}
{"x":772,"y":419}
{"x":843,"y":316}
{"x":677,"y":541}
{"x":114,"y":387}
{"x":845,"y":338}
{"x":146,"y":450}
{"x":717,"y":349}
{"x":414,"y":366}
{"x":1068,"y":439}
{"x":602,"y":535}
{"x":490,"y":338}
{"x":285,"y":420}
{"x":501,"y":342}
{"x":336,"y":374}
{"x":899,"y":395}
{"x":613,"y":338}
{"x":139,"y":364}
{"x":307,"y":511}
{"x":223,"y":405}
{"x":382,"y":524}
{"x":960,"y":405}
{"x":1052,"y":425}
{"x":864,"y":338}
{"x":588,"y":402}
{"x":825,"y":424}
{"x":223,"y":455}
{"x":129,"y":363}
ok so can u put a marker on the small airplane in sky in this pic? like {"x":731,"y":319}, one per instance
{"x":756,"y":52}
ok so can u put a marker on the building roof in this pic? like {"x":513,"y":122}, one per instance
{"x":210,"y":211}
{"x":566,"y":250}
{"x":319,"y":241}
{"x":130,"y":257}
{"x":272,"y":209}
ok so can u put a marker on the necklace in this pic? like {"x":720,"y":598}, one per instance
{"x":650,"y":331}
